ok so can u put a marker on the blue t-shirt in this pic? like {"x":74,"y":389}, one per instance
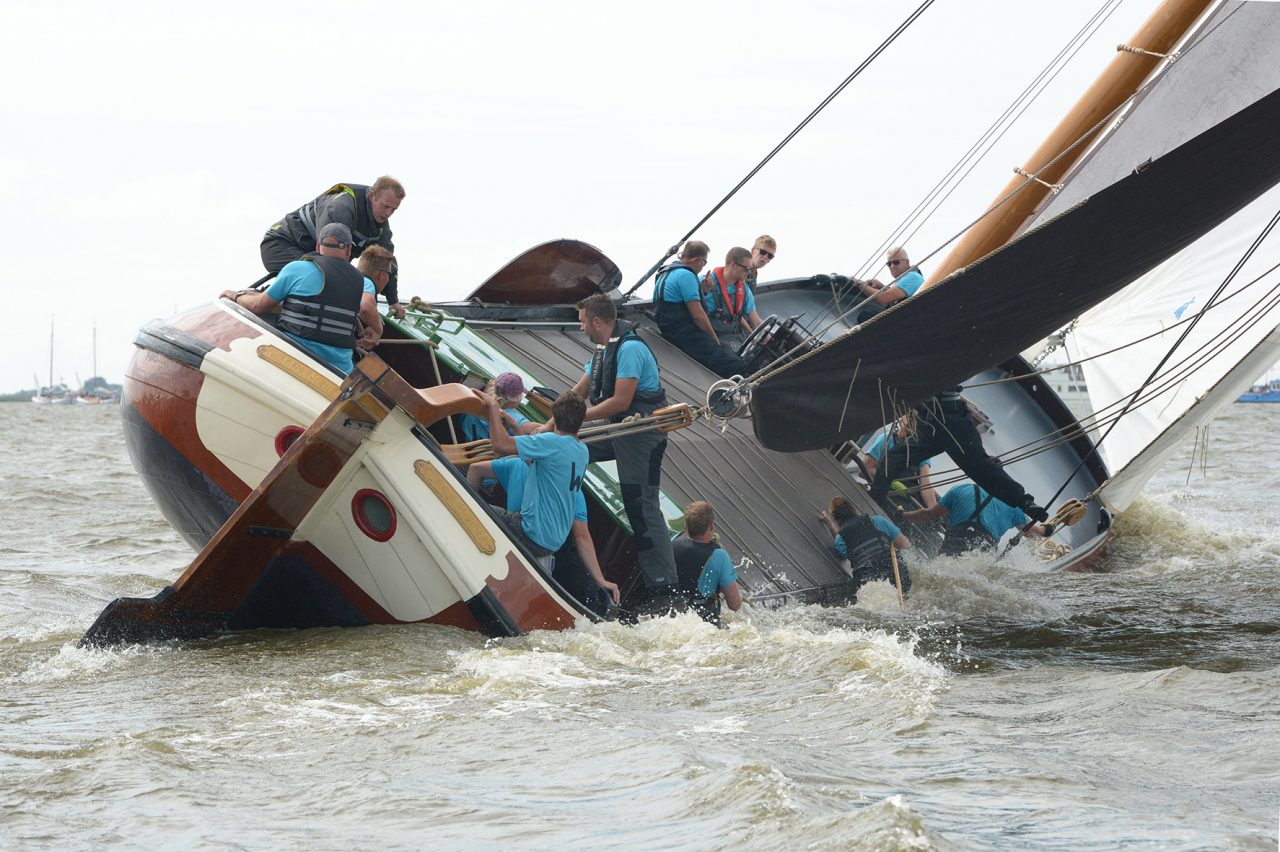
{"x":474,"y":428}
{"x":304,"y":278}
{"x":909,"y":282}
{"x":709,"y":297}
{"x":681,"y":285}
{"x":883,"y":525}
{"x":635,"y":361}
{"x":997,"y":517}
{"x":878,"y":447}
{"x":547,"y":504}
{"x":511,"y":474}
{"x":716,"y":574}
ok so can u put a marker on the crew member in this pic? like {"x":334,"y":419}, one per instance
{"x":557,"y":462}
{"x":509,"y":390}
{"x":577,"y":568}
{"x":375,"y":264}
{"x":864,"y":541}
{"x":943,"y":425}
{"x":322,"y":294}
{"x":874,"y":451}
{"x":763,"y":250}
{"x":365,"y":210}
{"x":907,"y":279}
{"x":706,"y":571}
{"x":975,"y":519}
{"x":728,"y":300}
{"x":622,"y":379}
{"x":682,"y":317}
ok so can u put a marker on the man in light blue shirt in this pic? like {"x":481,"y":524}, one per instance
{"x":557,"y":461}
{"x":975,"y":519}
{"x":682,"y":315}
{"x":705,"y":569}
{"x":321,"y":296}
{"x":907,"y":280}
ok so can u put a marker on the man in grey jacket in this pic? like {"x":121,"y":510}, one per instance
{"x":365,"y":210}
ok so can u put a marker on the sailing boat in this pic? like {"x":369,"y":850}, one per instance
{"x":318,"y":501}
{"x":97,"y":390}
{"x":52,"y":394}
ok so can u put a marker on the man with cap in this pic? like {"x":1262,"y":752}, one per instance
{"x":365,"y":210}
{"x":320,"y":295}
{"x":509,"y":390}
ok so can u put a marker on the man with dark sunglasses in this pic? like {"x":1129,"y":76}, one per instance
{"x":906,"y":281}
{"x":764,"y":250}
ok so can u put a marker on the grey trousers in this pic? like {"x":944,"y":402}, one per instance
{"x":639,"y":460}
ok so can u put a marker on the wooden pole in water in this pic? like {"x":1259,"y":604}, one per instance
{"x":1121,"y":79}
{"x":897,"y":577}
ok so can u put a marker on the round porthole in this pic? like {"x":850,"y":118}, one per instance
{"x":374,"y":514}
{"x":285,"y":438}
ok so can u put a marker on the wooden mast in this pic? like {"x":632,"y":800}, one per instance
{"x":1121,"y":79}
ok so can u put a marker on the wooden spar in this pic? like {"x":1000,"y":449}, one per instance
{"x":1164,"y":29}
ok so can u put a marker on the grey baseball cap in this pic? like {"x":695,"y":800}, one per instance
{"x":335,"y":231}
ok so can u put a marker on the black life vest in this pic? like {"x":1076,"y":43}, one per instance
{"x":691,"y":558}
{"x":673,"y":317}
{"x":328,"y":316}
{"x":604,"y":373}
{"x":868,"y":550}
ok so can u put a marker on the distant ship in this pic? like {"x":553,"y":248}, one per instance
{"x":1269,"y":392}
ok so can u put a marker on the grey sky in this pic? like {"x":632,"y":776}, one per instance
{"x":149,"y":145}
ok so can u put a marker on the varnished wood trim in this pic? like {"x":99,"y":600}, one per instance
{"x":457,"y":507}
{"x":312,"y":378}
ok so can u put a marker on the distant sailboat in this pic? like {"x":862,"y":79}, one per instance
{"x":52,"y":394}
{"x":97,"y":390}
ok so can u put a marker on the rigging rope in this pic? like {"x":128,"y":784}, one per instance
{"x":1185,"y":332}
{"x":777,"y":364}
{"x":795,"y":131}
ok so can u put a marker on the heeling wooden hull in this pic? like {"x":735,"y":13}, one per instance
{"x":204,"y":412}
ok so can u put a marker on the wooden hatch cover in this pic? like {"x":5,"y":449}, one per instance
{"x":561,"y":272}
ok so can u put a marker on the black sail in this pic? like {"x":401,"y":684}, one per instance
{"x":988,"y":312}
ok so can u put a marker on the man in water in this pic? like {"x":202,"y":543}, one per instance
{"x":682,"y":316}
{"x":975,"y":519}
{"x":552,"y":485}
{"x":864,"y":541}
{"x":907,"y":279}
{"x":728,"y":300}
{"x":365,"y":210}
{"x":322,"y":294}
{"x":706,"y":571}
{"x":887,"y":438}
{"x":621,"y":379}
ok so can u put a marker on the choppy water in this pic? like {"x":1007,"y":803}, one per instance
{"x":1008,"y":708}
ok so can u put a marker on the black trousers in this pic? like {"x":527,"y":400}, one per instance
{"x":639,"y":460}
{"x":945,"y":427}
{"x":277,"y":251}
{"x":698,"y":345}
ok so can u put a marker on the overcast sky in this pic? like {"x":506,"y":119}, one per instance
{"x":147,"y":146}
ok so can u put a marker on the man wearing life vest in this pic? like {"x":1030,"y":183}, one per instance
{"x":365,"y":210}
{"x":621,"y":379}
{"x":705,"y":569}
{"x":320,"y":295}
{"x":943,"y":425}
{"x":907,"y":279}
{"x":864,"y":541}
{"x":728,"y":300}
{"x":975,"y":519}
{"x":682,"y":317}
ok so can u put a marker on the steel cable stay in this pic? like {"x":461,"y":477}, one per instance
{"x":1266,"y":231}
{"x":1146,"y":394}
{"x":1015,"y":377}
{"x":979,"y":150}
{"x":774,"y":366}
{"x":862,"y":66}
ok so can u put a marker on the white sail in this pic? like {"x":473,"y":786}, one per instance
{"x":1229,"y":346}
{"x":1234,"y":60}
